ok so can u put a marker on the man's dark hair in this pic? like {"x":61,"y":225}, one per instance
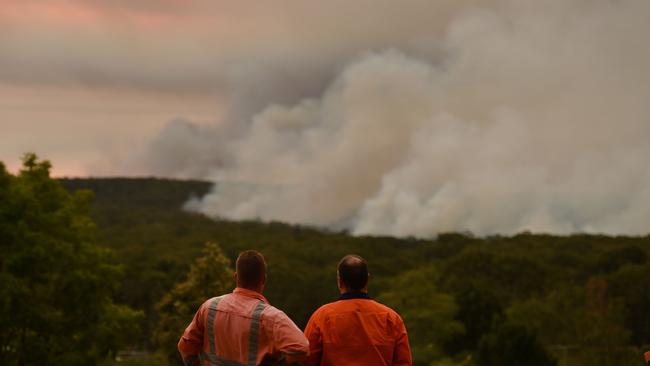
{"x":353,"y":271}
{"x":251,"y":268}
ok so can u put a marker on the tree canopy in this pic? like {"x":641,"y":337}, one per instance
{"x":210,"y":274}
{"x":582,"y":298}
{"x":56,"y":284}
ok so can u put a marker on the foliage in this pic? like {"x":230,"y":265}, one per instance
{"x":209,"y":276}
{"x":584,"y":296}
{"x":427,"y":312}
{"x":510,"y":277}
{"x":479,"y":312}
{"x":612,"y":260}
{"x":56,"y":284}
{"x":512,"y":345}
{"x":631,"y":285}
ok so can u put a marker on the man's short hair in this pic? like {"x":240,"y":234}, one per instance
{"x":251,"y":268}
{"x":353,"y":271}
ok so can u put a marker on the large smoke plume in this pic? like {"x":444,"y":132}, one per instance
{"x":527,"y":116}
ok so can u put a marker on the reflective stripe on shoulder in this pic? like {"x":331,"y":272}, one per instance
{"x":253,"y":340}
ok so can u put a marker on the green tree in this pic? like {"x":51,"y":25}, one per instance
{"x":56,"y":284}
{"x":427,"y":312}
{"x":509,"y":277}
{"x":512,"y":345}
{"x":612,"y":260}
{"x":583,"y":324}
{"x":631,"y":284}
{"x":209,"y":276}
{"x":479,"y":311}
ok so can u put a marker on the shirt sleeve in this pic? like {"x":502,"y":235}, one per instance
{"x":287,"y":337}
{"x":191,"y":341}
{"x":402,"y":353}
{"x":313,"y":334}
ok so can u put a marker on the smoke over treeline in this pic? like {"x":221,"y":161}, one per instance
{"x":520,"y":115}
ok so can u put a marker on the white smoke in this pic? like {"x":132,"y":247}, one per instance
{"x":538,"y":118}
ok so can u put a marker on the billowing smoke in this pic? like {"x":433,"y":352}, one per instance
{"x":532,"y":116}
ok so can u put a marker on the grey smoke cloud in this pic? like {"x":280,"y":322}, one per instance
{"x":384,"y":117}
{"x":293,"y":52}
{"x":531,"y":116}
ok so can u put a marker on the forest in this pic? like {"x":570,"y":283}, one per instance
{"x":94,"y":270}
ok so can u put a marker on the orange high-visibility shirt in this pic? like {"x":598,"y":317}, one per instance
{"x":239,"y":329}
{"x":357,"y":330}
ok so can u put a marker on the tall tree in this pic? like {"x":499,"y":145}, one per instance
{"x":56,"y":284}
{"x":512,"y":345}
{"x":209,"y":276}
{"x":428,"y":313}
{"x":479,"y":311}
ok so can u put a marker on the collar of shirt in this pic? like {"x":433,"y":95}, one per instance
{"x":249,"y":293}
{"x":354,"y":295}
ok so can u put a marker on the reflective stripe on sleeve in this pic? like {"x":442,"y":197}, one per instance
{"x":218,"y":361}
{"x":212,"y":312}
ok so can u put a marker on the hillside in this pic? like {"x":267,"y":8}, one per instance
{"x":589,"y":292}
{"x":143,"y":221}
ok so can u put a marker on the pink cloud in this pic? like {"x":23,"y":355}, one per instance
{"x":70,"y":13}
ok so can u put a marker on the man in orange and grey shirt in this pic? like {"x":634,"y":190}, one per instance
{"x":241,"y":328}
{"x":356,"y":330}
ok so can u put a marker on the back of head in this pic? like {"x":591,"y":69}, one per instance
{"x":353,"y":272}
{"x":251,"y":269}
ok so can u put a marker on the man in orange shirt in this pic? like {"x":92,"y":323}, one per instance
{"x":241,"y":328}
{"x":356,"y":330}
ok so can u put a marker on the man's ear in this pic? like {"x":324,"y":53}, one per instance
{"x":234,"y":276}
{"x":339,"y":284}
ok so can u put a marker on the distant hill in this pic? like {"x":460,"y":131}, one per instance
{"x":144,"y":192}
{"x":143,"y":222}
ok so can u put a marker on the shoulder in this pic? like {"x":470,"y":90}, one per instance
{"x":274,"y":319}
{"x":383,"y":307}
{"x":271,"y":314}
{"x":319,"y":315}
{"x":271,"y":311}
{"x":328,"y":308}
{"x":389,"y":311}
{"x":213,"y":301}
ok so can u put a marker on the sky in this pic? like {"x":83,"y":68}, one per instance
{"x":405,"y":118}
{"x":84,"y":83}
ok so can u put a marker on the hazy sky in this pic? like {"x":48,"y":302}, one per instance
{"x":380,"y":116}
{"x":84,"y":83}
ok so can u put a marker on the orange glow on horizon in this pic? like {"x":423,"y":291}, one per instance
{"x":73,"y":14}
{"x":58,"y":170}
